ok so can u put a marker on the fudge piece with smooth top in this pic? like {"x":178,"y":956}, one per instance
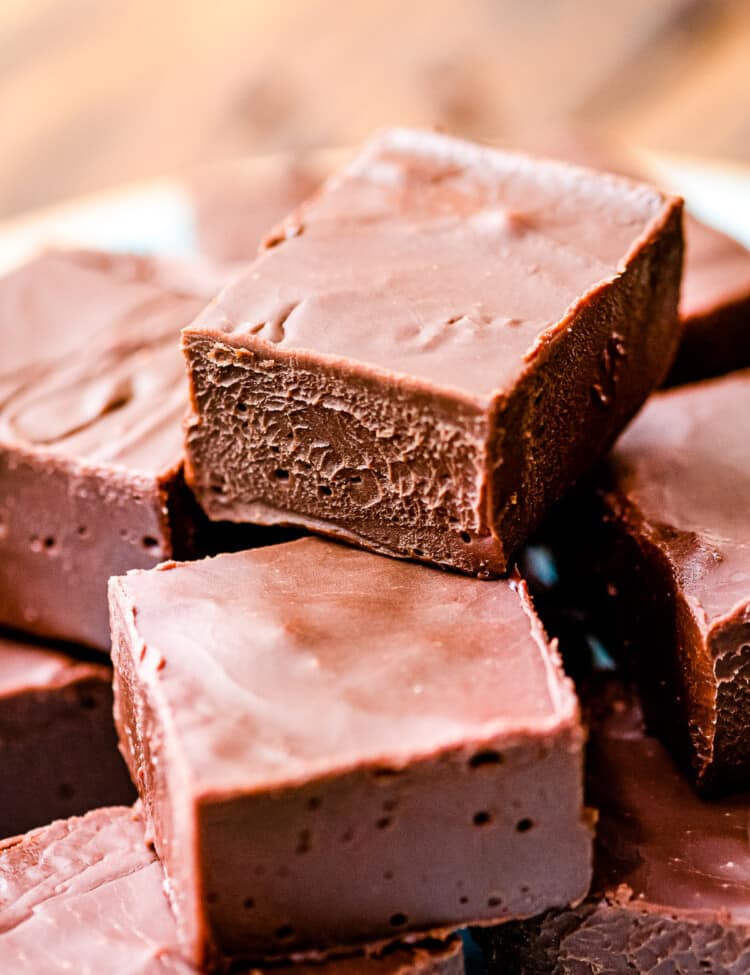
{"x":658,"y":549}
{"x":86,"y":895}
{"x":92,"y":397}
{"x":306,"y":715}
{"x":430,"y":351}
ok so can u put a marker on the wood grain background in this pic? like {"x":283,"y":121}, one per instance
{"x":97,"y":92}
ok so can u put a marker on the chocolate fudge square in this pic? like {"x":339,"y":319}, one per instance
{"x":671,"y":890}
{"x":92,"y":397}
{"x":433,"y":349}
{"x":58,"y":748}
{"x":714,"y":305}
{"x":86,"y":895}
{"x":335,"y":748}
{"x":659,"y":549}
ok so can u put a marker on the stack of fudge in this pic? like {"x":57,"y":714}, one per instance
{"x":348,"y":730}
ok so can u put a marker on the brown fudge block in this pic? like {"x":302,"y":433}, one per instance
{"x":659,"y":549}
{"x":86,"y":895}
{"x":714,"y":305}
{"x":58,"y":749}
{"x":305,"y":714}
{"x":671,"y":878}
{"x":433,"y":349}
{"x":92,"y":397}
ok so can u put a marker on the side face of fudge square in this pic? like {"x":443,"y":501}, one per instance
{"x":675,"y":503}
{"x":657,"y":550}
{"x":671,"y":876}
{"x":432,"y":349}
{"x":86,"y":894}
{"x":92,"y":395}
{"x":58,"y":748}
{"x":336,"y":748}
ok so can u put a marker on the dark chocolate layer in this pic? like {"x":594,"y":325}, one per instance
{"x":58,"y":749}
{"x":432,"y":349}
{"x":672,"y":871}
{"x":86,"y":895}
{"x":302,"y":714}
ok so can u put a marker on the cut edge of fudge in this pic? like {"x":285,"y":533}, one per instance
{"x":661,"y":571}
{"x":91,"y":468}
{"x":422,"y":469}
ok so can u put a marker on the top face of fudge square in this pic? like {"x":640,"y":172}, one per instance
{"x":276,"y":665}
{"x":30,"y":667}
{"x":683,"y":468}
{"x":439,"y":260}
{"x":669,"y":847}
{"x":91,"y":367}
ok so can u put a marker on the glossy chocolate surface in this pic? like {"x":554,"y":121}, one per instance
{"x":92,"y":395}
{"x":90,"y":368}
{"x":58,"y":749}
{"x":684,"y":466}
{"x":86,"y":895}
{"x":297,"y":715}
{"x":415,"y":360}
{"x":458,"y":260}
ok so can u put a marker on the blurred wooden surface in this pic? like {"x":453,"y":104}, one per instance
{"x":97,"y":92}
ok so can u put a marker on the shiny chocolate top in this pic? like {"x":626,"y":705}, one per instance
{"x":659,"y":846}
{"x":438,"y":259}
{"x":27,"y":666}
{"x":90,"y":366}
{"x":682,"y":471}
{"x":280,"y":664}
{"x":86,"y":895}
